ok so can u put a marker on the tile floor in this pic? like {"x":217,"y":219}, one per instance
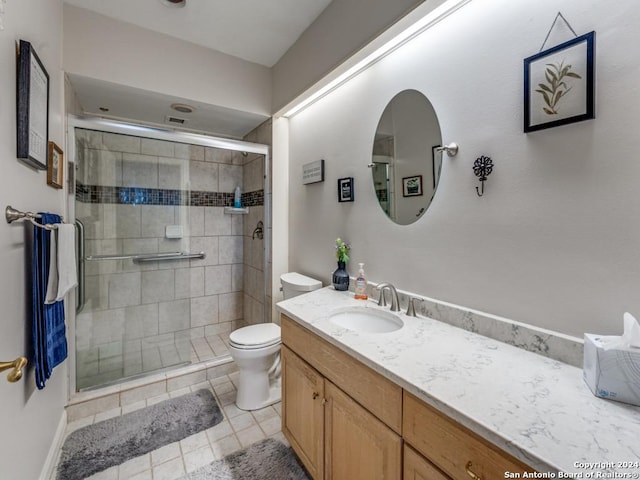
{"x":238,"y":430}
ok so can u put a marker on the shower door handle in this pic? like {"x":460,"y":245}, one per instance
{"x":80,"y":292}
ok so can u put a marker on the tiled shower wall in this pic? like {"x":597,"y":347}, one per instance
{"x":141,"y":317}
{"x":254,"y":248}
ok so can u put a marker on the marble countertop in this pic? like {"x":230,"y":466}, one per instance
{"x":537,"y":409}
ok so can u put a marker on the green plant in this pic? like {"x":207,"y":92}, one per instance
{"x":342,"y":250}
{"x":556,"y":86}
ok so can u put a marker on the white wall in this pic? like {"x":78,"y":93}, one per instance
{"x":554,"y":242}
{"x":342,"y":28}
{"x":28,"y":417}
{"x":99,"y":47}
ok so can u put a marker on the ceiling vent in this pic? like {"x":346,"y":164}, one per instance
{"x":175,"y":120}
{"x":182,"y":107}
{"x":174,"y":3}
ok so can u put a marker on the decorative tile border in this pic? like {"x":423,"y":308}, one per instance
{"x":163,"y":196}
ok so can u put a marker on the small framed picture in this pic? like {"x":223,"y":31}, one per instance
{"x":412,"y":186}
{"x":55,"y":166}
{"x":345,"y":189}
{"x":559,"y":84}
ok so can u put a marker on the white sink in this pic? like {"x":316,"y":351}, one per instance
{"x":366,"y":320}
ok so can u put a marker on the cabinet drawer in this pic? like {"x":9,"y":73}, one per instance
{"x":370,"y":389}
{"x":453,"y":448}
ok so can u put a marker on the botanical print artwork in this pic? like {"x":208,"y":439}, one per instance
{"x":555,"y":87}
{"x":559,"y":84}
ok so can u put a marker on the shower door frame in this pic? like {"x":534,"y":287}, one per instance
{"x":139,"y":130}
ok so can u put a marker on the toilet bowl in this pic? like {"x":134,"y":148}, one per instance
{"x":256,"y":351}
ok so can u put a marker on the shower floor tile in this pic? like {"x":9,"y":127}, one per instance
{"x":149,"y":358}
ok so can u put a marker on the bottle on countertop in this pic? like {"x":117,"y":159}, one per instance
{"x":237,"y":198}
{"x":361,"y":284}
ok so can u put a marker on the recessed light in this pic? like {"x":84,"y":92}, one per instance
{"x":174,"y":3}
{"x":182,"y":107}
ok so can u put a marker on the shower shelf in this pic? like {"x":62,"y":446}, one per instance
{"x":236,"y":211}
{"x":153,"y":257}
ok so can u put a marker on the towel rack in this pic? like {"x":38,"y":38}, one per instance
{"x":12,"y":215}
{"x":147,"y":257}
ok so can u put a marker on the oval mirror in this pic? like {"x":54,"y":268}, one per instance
{"x":405,"y":165}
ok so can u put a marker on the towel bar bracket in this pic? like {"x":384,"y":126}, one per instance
{"x":17,"y":365}
{"x":11,"y":214}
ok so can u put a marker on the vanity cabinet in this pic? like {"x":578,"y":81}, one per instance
{"x":346,"y":421}
{"x":327,"y":411}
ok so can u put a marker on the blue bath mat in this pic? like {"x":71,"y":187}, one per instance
{"x":97,"y":447}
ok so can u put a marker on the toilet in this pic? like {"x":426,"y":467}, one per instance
{"x":256,"y":351}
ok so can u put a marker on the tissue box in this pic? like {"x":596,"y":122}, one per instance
{"x":613,"y":374}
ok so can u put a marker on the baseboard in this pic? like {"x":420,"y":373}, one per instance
{"x":54,"y":450}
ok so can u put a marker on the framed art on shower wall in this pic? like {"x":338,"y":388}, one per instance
{"x":32,"y":108}
{"x":559,"y":84}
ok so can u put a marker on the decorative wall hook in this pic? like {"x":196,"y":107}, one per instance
{"x":482,"y":167}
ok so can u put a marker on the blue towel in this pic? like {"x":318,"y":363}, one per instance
{"x":49,"y":335}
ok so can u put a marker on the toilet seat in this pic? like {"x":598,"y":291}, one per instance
{"x":257,"y":336}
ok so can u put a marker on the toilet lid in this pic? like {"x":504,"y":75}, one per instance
{"x":298,"y":282}
{"x":254,"y":336}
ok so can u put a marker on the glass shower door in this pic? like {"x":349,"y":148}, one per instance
{"x":131,"y":197}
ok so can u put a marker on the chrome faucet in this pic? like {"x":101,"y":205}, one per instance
{"x":382,"y":302}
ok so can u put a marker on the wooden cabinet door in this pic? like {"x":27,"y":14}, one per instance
{"x":303,"y":411}
{"x":416,"y":467}
{"x":358,"y":446}
{"x":457,"y":451}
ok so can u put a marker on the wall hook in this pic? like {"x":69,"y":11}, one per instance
{"x":482,"y":167}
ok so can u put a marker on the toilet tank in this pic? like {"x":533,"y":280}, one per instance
{"x":294,"y":284}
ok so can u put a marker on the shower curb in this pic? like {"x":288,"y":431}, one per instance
{"x":92,"y":402}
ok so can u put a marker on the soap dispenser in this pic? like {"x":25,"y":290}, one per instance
{"x":361,"y":284}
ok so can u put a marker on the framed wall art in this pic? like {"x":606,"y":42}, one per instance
{"x":436,"y":164}
{"x":313,"y":172}
{"x":412,"y":186}
{"x":559,"y":84}
{"x":32,"y":108}
{"x":345,"y":189}
{"x":55,"y":166}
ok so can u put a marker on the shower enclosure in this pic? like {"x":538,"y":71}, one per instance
{"x":167,"y":268}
